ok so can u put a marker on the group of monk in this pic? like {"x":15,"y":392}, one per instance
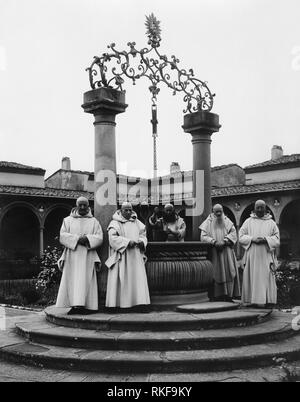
{"x":259,"y":236}
{"x":127,"y":286}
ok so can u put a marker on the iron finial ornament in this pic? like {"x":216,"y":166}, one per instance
{"x":153,"y":30}
{"x":150,"y":63}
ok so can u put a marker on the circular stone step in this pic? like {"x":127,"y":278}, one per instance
{"x":157,"y":321}
{"x":205,"y":308}
{"x":115,"y":361}
{"x":277,"y":328}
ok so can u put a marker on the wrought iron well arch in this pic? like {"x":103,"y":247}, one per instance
{"x":152,"y":65}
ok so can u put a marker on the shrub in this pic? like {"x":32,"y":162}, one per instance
{"x":16,"y":300}
{"x":287,"y":278}
{"x":30,"y":296}
{"x":11,"y":290}
{"x":50,"y":275}
{"x":10,"y":270}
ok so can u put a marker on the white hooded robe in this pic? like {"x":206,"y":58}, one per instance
{"x":127,"y":283}
{"x":225,"y":267}
{"x":259,"y":283}
{"x":78,"y":285}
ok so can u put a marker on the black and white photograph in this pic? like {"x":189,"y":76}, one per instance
{"x":149,"y":194}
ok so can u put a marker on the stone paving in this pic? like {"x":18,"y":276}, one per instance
{"x":10,"y":372}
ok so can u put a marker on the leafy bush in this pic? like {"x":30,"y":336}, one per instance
{"x":10,"y":269}
{"x":287,"y":278}
{"x":50,"y":275}
{"x":14,"y":300}
{"x":11,"y":291}
{"x":30,"y":296}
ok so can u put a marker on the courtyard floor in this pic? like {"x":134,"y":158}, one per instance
{"x":11,"y":372}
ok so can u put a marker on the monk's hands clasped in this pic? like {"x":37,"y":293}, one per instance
{"x":138,"y":244}
{"x":219,"y":245}
{"x":141,"y":245}
{"x":83,"y":241}
{"x":132,"y":244}
{"x":259,"y":240}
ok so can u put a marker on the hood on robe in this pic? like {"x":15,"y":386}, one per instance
{"x":117,"y":216}
{"x":211,"y":217}
{"x":75,"y":214}
{"x":265,"y":218}
{"x":177,"y":217}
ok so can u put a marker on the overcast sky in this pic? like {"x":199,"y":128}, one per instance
{"x":247,"y":50}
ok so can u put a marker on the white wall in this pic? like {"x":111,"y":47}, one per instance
{"x":17,"y":179}
{"x":273,"y":176}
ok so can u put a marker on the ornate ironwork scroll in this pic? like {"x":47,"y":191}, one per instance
{"x":150,"y":63}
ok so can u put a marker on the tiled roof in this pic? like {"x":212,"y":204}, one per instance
{"x":215,"y":168}
{"x":185,"y":173}
{"x":90,"y":174}
{"x":216,"y":192}
{"x":14,"y":165}
{"x":256,"y":188}
{"x":273,"y":162}
{"x":188,"y":173}
{"x":79,"y":171}
{"x":71,"y":171}
{"x":43,"y":192}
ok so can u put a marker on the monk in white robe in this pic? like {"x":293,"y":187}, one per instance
{"x":81,"y":234}
{"x":127,"y":284}
{"x":171,"y":226}
{"x":219,"y":231}
{"x":259,"y":236}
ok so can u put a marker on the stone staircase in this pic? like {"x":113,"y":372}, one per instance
{"x":198,"y":338}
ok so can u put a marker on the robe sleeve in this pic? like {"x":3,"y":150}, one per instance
{"x":244,"y":237}
{"x":142,"y":234}
{"x":232,"y":236}
{"x":205,"y":235}
{"x":274,"y":239}
{"x":66,"y":238}
{"x":181,"y":229}
{"x":117,"y":242}
{"x":95,"y":239}
{"x":151,"y":223}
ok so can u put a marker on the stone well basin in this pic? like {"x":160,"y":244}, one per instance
{"x":178,"y":267}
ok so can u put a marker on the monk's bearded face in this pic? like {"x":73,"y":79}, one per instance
{"x":83,"y":208}
{"x":169,"y":215}
{"x":126,"y":212}
{"x":219,"y":215}
{"x":260,"y":210}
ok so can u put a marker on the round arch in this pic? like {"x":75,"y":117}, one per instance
{"x":53,"y":221}
{"x":21,"y":204}
{"x":229,"y":214}
{"x":247,"y":211}
{"x":290,"y":230}
{"x":19,"y":231}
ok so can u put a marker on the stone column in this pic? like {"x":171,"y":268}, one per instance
{"x":41,"y":241}
{"x":238,"y":245}
{"x":201,"y":125}
{"x":105,"y":104}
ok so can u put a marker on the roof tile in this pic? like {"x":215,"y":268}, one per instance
{"x":15,"y":165}
{"x":216,"y":192}
{"x":283,"y":160}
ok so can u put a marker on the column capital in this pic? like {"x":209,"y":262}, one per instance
{"x":201,"y":124}
{"x":104,"y":102}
